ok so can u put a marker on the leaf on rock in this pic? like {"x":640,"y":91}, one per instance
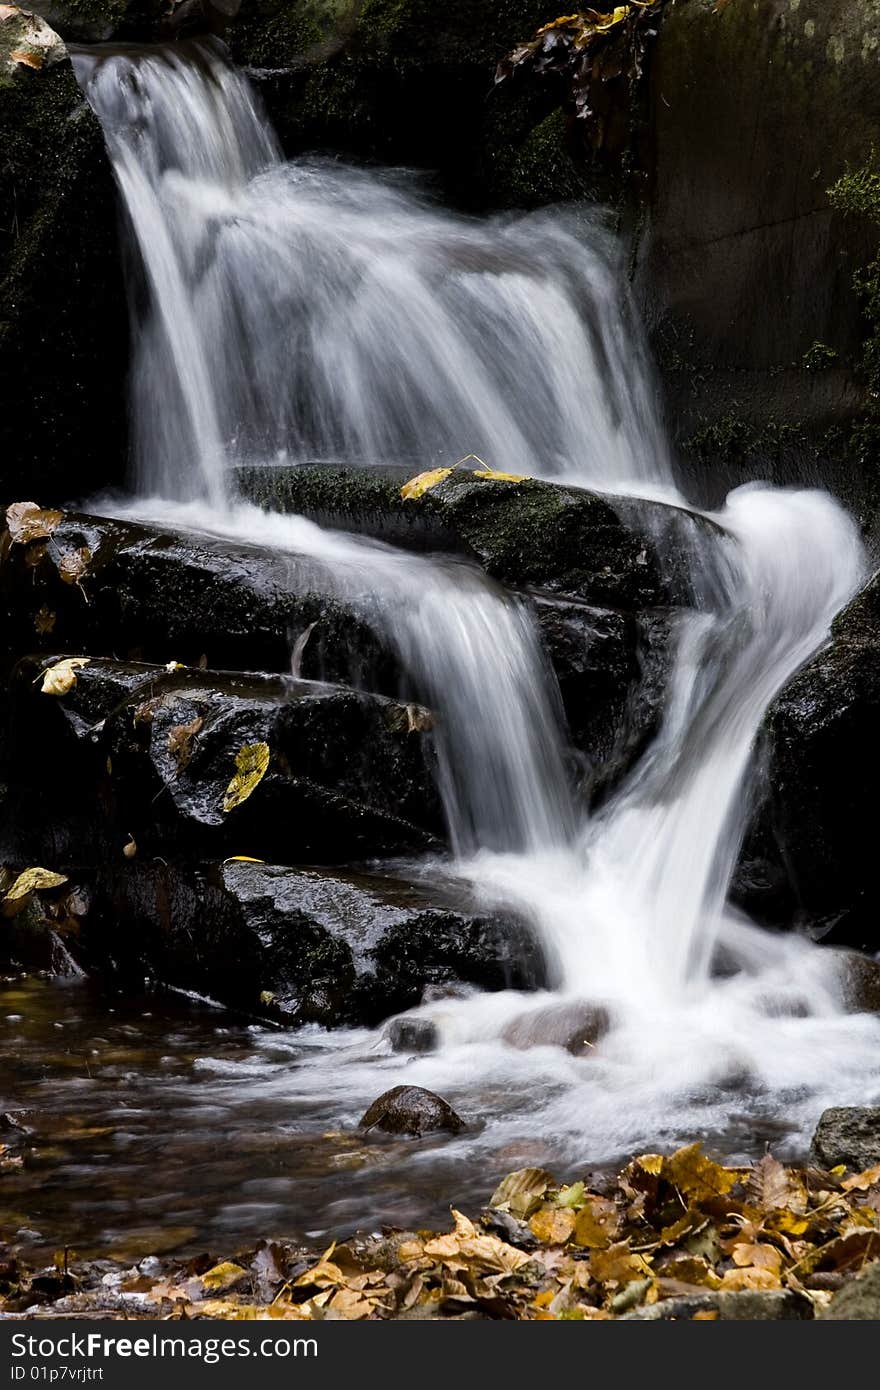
{"x":251,"y":762}
{"x":180,"y":741}
{"x":61,"y":678}
{"x":521,"y":1191}
{"x":74,"y":565}
{"x":494,"y":476}
{"x":44,"y":621}
{"x":423,"y":482}
{"x":28,"y":522}
{"x":34,"y":881}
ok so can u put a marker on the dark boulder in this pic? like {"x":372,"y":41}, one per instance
{"x":153,"y":595}
{"x":411,"y":1110}
{"x":63,"y":318}
{"x":298,"y":945}
{"x":150,"y":753}
{"x":823,"y":772}
{"x":412,"y":1035}
{"x":848,"y":1135}
{"x":859,"y":1299}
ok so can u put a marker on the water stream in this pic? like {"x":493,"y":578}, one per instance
{"x":288,"y":311}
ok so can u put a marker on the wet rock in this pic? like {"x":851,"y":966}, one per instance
{"x":384,"y":80}
{"x":297,"y":945}
{"x":527,"y":534}
{"x":848,"y":1135}
{"x":412,"y":1035}
{"x":96,"y":21}
{"x":151,"y":754}
{"x":824,"y":768}
{"x":860,"y":982}
{"x":411,"y":1110}
{"x":745,"y":1305}
{"x":859,"y":1299}
{"x":576,"y":1026}
{"x":149,"y":594}
{"x":63,"y":321}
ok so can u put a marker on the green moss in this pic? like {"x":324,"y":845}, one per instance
{"x":818,"y":357}
{"x":857,"y":193}
{"x":541,"y":169}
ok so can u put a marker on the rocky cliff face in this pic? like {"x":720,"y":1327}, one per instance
{"x":63,"y":333}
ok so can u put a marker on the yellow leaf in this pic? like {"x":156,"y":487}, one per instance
{"x":28,"y":522}
{"x":33,"y":881}
{"x":617,"y":16}
{"x":61,"y":678}
{"x":552,"y":1225}
{"x":494,"y":476}
{"x":423,"y":482}
{"x":618,"y":1265}
{"x":223,"y":1276}
{"x":251,"y":763}
{"x":242,"y":859}
{"x":697,"y":1176}
{"x":651,"y":1163}
{"x":596,"y":1224}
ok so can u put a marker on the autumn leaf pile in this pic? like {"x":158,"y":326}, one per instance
{"x":668,"y":1227}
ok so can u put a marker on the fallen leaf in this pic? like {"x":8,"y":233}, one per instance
{"x":34,"y":881}
{"x":223,"y":1277}
{"x":597,"y":1224}
{"x":44,"y":621}
{"x":762,"y":1256}
{"x":180,"y":741}
{"x":552,"y":1225}
{"x":771,"y":1186}
{"x":861,"y":1182}
{"x":242,"y":859}
{"x":61,"y":678}
{"x":495,"y":476}
{"x":28,"y":522}
{"x":521,"y":1191}
{"x":423,"y":482}
{"x":753,"y":1277}
{"x":618,"y":1265}
{"x":251,"y":763}
{"x":74,"y":565}
{"x":697,"y":1176}
{"x":130,"y":849}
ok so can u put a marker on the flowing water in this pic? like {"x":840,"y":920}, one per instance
{"x":287,"y":311}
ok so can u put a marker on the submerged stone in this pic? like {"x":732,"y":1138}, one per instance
{"x":411,"y":1110}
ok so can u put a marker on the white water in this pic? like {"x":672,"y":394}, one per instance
{"x":301,"y":310}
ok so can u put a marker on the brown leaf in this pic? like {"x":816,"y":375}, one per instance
{"x":27,"y":522}
{"x":772,"y":1186}
{"x":180,"y":741}
{"x":44,"y":621}
{"x":74,"y":565}
{"x":861,"y":1182}
{"x":761,"y":1256}
{"x":618,"y":1265}
{"x":752,"y":1277}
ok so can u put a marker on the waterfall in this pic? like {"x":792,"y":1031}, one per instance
{"x":301,"y":310}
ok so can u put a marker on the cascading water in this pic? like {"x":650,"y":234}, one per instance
{"x":302,"y":310}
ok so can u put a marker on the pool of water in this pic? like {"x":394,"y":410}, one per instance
{"x":164,"y":1124}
